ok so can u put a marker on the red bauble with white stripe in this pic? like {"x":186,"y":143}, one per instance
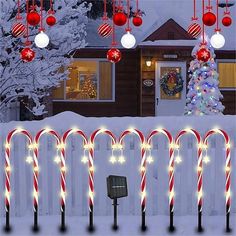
{"x":18,"y":29}
{"x":105,"y":30}
{"x":194,"y":30}
{"x":114,"y":55}
{"x":27,"y":54}
{"x":203,"y":54}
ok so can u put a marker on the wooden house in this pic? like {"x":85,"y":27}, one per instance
{"x":132,"y":87}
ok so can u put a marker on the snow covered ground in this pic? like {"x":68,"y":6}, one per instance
{"x":129,"y":208}
{"x":128,"y":226}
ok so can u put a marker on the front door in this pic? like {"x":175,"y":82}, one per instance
{"x":169,"y":103}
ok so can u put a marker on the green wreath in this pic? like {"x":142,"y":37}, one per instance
{"x":178,"y":84}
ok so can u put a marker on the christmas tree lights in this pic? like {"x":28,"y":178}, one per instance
{"x":203,"y":97}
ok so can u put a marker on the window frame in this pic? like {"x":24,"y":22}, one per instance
{"x":98,"y":85}
{"x":217,"y":67}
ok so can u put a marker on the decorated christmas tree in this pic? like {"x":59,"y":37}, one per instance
{"x":203,"y":97}
{"x":88,"y":88}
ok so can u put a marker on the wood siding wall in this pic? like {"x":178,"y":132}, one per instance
{"x":127,"y":88}
{"x":132,"y":97}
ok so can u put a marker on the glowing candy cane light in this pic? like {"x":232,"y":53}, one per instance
{"x":8,"y":169}
{"x":35,"y":147}
{"x":144,"y":146}
{"x":63,"y":157}
{"x":199,"y":168}
{"x":227,"y":169}
{"x":90,"y":147}
{"x":170,"y":169}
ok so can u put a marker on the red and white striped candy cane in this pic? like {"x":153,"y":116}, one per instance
{"x":8,"y":168}
{"x":144,"y":146}
{"x":36,"y":169}
{"x":91,"y":145}
{"x":199,"y":167}
{"x":171,"y":167}
{"x":227,"y":169}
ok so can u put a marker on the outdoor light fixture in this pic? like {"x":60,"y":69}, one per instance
{"x":217,"y":40}
{"x":148,"y":62}
{"x":41,"y":40}
{"x":128,"y":40}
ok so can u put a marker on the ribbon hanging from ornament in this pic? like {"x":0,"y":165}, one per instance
{"x":27,"y":54}
{"x":194,"y":28}
{"x":41,"y":39}
{"x":18,"y":29}
{"x":51,"y":19}
{"x":105,"y":29}
{"x":137,"y":19}
{"x":113,"y":54}
{"x":226,"y":20}
{"x":119,"y":17}
{"x":217,"y":40}
{"x":209,"y":17}
{"x":128,"y":40}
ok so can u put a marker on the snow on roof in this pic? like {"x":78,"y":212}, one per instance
{"x":157,"y":12}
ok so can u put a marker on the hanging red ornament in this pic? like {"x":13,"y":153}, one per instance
{"x":203,"y":54}
{"x":18,"y":29}
{"x":27,"y":54}
{"x":33,"y":18}
{"x":105,"y":30}
{"x":226,"y":21}
{"x":137,"y":21}
{"x":51,"y":20}
{"x":209,"y":18}
{"x":194,"y":30}
{"x":119,"y":18}
{"x":114,"y":55}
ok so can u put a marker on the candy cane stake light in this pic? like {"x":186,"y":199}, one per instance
{"x":170,"y":169}
{"x":199,"y":169}
{"x":8,"y":169}
{"x":63,"y":157}
{"x":144,"y":146}
{"x":35,"y":147}
{"x":227,"y":170}
{"x":90,"y":146}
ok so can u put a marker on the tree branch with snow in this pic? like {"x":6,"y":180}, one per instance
{"x":34,"y":80}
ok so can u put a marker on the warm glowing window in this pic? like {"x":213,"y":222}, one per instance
{"x":89,"y":80}
{"x":227,"y":74}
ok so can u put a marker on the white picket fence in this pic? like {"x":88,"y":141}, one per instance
{"x":157,"y":175}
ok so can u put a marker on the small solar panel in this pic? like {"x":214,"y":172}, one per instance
{"x":117,"y":186}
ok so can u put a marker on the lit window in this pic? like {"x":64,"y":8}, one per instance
{"x":89,"y":80}
{"x":227,"y":74}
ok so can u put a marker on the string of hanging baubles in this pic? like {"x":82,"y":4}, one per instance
{"x":21,"y":28}
{"x":120,"y":17}
{"x":209,"y":19}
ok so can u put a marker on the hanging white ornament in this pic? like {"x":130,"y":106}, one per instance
{"x":217,"y":40}
{"x":128,"y":40}
{"x":41,"y":40}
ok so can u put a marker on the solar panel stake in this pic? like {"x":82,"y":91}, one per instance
{"x":115,"y":225}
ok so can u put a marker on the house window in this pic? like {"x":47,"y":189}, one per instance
{"x":89,"y":80}
{"x":227,"y":75}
